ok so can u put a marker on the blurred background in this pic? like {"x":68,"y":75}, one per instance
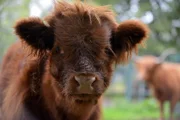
{"x":126,"y":99}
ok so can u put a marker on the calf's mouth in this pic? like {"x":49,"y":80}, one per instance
{"x":86,"y":98}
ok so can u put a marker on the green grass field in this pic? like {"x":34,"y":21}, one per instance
{"x":118,"y":108}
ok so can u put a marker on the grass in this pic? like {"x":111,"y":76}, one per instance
{"x":118,"y":108}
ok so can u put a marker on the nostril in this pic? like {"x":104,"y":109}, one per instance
{"x":77,"y":79}
{"x":91,"y":80}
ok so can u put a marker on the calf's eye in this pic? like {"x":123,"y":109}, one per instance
{"x":57,"y":50}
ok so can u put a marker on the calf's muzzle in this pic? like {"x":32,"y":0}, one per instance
{"x":85,"y":82}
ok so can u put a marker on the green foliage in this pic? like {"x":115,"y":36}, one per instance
{"x":165,"y":24}
{"x":10,"y":11}
{"x":106,"y":2}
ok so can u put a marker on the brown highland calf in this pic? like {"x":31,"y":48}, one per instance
{"x":163,"y":78}
{"x":67,"y":62}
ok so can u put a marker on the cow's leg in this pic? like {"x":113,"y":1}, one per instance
{"x":172,"y":107}
{"x":161,"y":106}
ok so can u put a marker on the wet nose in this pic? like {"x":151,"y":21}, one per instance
{"x":85,"y":83}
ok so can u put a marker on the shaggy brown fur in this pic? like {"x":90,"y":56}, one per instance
{"x":163,"y":78}
{"x":40,"y":82}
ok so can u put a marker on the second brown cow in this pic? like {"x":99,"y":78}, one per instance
{"x":163,"y":78}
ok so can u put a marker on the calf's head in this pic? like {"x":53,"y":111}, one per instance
{"x":82,"y":42}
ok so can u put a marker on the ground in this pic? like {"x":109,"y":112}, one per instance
{"x":118,"y":108}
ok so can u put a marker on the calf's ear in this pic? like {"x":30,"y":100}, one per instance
{"x":35,"y":33}
{"x":126,"y":37}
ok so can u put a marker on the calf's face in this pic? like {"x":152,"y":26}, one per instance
{"x":82,"y":46}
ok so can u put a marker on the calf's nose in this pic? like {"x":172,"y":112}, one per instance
{"x":85,"y":83}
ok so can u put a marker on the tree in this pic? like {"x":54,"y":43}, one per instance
{"x":10,"y":11}
{"x":162,"y":16}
